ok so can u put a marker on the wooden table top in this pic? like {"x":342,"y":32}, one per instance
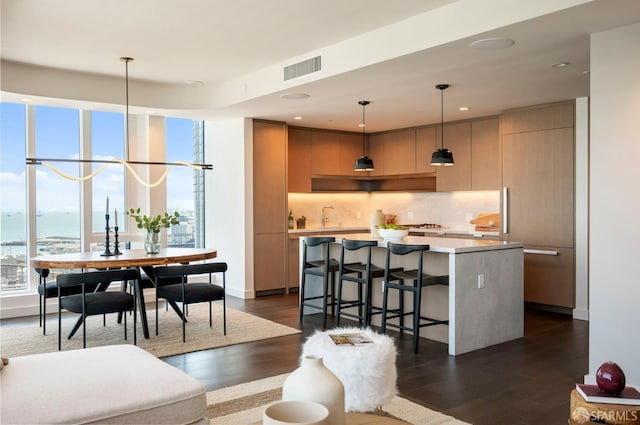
{"x":128,"y":258}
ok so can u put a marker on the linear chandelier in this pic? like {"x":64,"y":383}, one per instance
{"x":45,"y":162}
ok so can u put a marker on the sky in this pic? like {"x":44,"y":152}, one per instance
{"x":57,"y":136}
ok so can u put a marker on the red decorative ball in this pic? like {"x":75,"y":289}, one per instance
{"x":610,"y":378}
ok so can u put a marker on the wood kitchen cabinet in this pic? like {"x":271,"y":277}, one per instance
{"x":457,"y":138}
{"x":538,"y":176}
{"x":299,"y":160}
{"x":325,"y":153}
{"x":269,"y":203}
{"x":376,"y":153}
{"x":548,"y":274}
{"x":350,"y":151}
{"x":393,"y":153}
{"x":485,"y":154}
{"x":425,"y":146}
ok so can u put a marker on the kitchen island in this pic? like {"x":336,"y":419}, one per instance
{"x":484,"y":301}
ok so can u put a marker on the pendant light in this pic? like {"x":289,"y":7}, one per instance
{"x":364,"y":163}
{"x":442,"y":157}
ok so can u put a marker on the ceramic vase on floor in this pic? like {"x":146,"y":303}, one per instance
{"x":312,"y":381}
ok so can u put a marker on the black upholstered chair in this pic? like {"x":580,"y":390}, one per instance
{"x":410,"y":281}
{"x":361,"y":274}
{"x":187,"y":292}
{"x":324,"y":268}
{"x":88,"y":303}
{"x":48,"y":290}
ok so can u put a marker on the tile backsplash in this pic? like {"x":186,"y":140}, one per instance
{"x":353,"y":209}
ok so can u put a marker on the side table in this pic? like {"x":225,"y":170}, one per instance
{"x":583,"y":412}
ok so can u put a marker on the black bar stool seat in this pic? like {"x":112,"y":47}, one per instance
{"x":398,"y":280}
{"x":325,"y":268}
{"x":362,"y":274}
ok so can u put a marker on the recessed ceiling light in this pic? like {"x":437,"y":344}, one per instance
{"x":560,"y":64}
{"x":149,"y":112}
{"x":25,"y":99}
{"x":194,"y":83}
{"x":361,"y":125}
{"x":297,"y":118}
{"x":492,"y":43}
{"x":464,"y":108}
{"x":295,"y":96}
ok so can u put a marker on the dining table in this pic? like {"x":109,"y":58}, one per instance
{"x":127,"y":259}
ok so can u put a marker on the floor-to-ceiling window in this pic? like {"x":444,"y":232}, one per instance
{"x":184,"y":185}
{"x":107,"y":142}
{"x":43,"y":209}
{"x":13,"y":198}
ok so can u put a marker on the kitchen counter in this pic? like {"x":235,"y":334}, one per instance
{"x":328,"y":230}
{"x":484,"y":301}
{"x":436,"y":244}
{"x":453,"y":231}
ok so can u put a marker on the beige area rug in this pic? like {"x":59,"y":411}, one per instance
{"x":241,"y":327}
{"x":244,"y":404}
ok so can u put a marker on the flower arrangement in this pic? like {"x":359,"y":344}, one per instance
{"x":153,"y":224}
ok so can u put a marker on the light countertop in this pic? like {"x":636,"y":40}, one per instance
{"x":329,"y":230}
{"x":436,"y":244}
{"x":454,"y":231}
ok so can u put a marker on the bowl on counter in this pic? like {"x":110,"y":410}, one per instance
{"x":393,"y":235}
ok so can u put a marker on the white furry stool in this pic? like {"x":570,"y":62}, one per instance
{"x":368,"y":371}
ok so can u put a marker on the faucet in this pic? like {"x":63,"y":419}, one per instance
{"x":325,"y":218}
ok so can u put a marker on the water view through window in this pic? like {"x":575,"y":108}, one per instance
{"x":56,"y":209}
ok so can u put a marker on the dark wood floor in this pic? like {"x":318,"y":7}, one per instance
{"x":526,"y":381}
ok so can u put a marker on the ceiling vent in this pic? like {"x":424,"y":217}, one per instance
{"x":303,"y":68}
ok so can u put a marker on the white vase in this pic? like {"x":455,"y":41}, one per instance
{"x":288,"y":412}
{"x":377,"y":219}
{"x":312,"y":381}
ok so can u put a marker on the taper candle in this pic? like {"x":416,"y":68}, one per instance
{"x":115,"y":212}
{"x":107,"y":209}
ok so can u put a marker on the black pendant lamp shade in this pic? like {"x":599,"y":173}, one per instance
{"x":364,"y":163}
{"x":442,"y":157}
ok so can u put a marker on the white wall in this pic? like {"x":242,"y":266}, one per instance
{"x":228,"y":215}
{"x":581,"y":310}
{"x":615,"y":201}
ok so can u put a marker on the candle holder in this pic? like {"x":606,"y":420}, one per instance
{"x":107,"y":251}
{"x":116,"y":244}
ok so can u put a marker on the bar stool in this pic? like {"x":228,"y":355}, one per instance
{"x":396,"y":280}
{"x":323,"y":268}
{"x":362,"y":274}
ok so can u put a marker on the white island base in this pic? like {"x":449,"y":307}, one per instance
{"x":484,"y":301}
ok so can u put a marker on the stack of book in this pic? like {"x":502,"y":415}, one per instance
{"x":592,"y":394}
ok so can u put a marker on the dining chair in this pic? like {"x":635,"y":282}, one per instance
{"x":191,"y":292}
{"x":88,"y":303}
{"x":409,"y":281}
{"x":48,"y":290}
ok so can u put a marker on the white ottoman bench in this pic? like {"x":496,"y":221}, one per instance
{"x":368,"y":372}
{"x":117,"y":384}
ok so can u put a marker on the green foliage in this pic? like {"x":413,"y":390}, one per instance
{"x":153,"y":224}
{"x":392,"y":226}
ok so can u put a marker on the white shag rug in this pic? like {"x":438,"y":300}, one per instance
{"x":367,"y":371}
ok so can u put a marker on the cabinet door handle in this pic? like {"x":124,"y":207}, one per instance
{"x":540,"y":252}
{"x":505,"y":209}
